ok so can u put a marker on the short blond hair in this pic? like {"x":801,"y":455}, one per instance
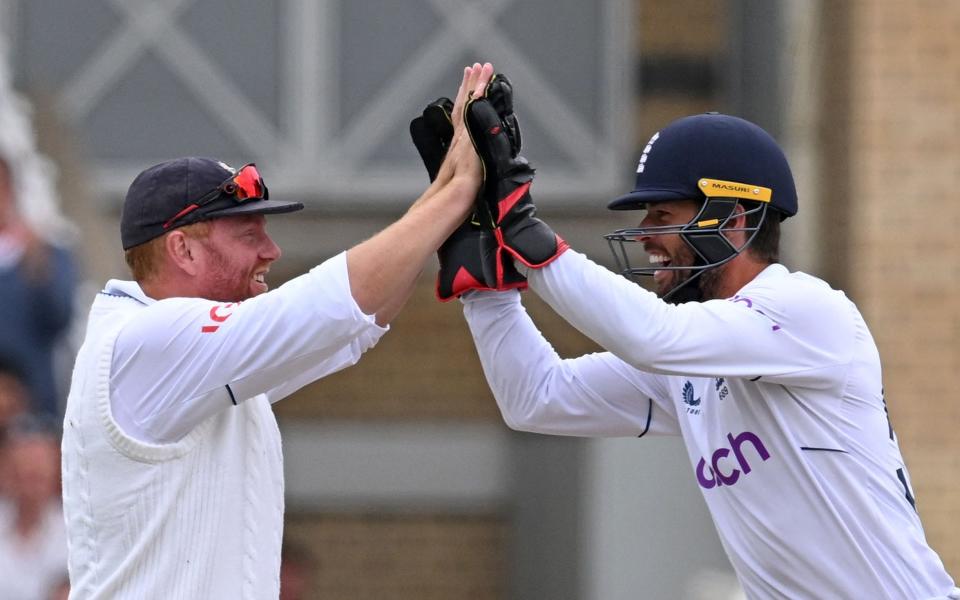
{"x":145,"y":259}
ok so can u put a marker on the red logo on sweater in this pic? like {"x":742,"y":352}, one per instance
{"x":218,"y":314}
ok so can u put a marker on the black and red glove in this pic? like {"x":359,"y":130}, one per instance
{"x":460,"y":257}
{"x":432,"y":133}
{"x":462,"y":268}
{"x":510,"y":228}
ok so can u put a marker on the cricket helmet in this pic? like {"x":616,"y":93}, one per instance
{"x":724,"y":162}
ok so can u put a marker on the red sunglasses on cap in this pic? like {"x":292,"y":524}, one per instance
{"x":245,"y":185}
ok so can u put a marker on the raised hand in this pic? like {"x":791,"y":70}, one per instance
{"x":460,"y":257}
{"x":504,"y":207}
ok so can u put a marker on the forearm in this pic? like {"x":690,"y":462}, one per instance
{"x":385,"y":267}
{"x":444,"y":176}
{"x":517,"y":361}
{"x":609,"y":309}
{"x":537,"y":391}
{"x":695,"y":338}
{"x":389,"y":311}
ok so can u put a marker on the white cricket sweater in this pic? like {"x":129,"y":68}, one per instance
{"x":202,"y":516}
{"x":777,"y":395}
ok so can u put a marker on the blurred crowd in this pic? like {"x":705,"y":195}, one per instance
{"x":37,"y":291}
{"x":33,"y":548}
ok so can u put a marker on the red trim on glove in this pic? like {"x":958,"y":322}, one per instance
{"x":504,"y":206}
{"x":463,"y":281}
{"x":498,"y":233}
{"x":562,"y":246}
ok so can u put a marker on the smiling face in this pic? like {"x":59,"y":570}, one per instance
{"x":236,"y":256}
{"x":668,"y":250}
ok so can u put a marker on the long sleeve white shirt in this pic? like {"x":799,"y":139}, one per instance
{"x":777,"y":394}
{"x":184,"y":359}
{"x":172,"y":462}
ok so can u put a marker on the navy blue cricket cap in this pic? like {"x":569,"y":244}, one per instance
{"x":713,"y":147}
{"x":164,"y":191}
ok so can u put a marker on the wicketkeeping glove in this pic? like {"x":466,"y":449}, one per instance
{"x":505,"y":209}
{"x":461,"y":265}
{"x":460,"y":259}
{"x":432,"y":132}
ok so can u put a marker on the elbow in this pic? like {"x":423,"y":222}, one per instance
{"x":511,"y":420}
{"x":534,"y":413}
{"x":535,"y":408}
{"x":517,"y":420}
{"x":640,"y":356}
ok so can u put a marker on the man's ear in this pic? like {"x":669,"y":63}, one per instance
{"x":181,"y":250}
{"x":737,"y":221}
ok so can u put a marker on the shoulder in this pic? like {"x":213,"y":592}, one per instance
{"x":157,"y":323}
{"x":177,"y":313}
{"x":797,"y":299}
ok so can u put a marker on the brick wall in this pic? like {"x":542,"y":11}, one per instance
{"x":903,"y":244}
{"x":371,"y":557}
{"x":680,"y":46}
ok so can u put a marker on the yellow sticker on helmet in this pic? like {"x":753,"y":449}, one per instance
{"x":732,"y":189}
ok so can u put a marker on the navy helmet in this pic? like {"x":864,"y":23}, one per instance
{"x":720,"y":160}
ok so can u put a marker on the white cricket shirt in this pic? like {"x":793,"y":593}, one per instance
{"x":172,"y":462}
{"x":777,"y":394}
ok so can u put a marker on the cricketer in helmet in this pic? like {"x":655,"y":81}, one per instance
{"x":713,"y":186}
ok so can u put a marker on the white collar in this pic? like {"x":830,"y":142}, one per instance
{"x":131,"y":289}
{"x":771,"y":270}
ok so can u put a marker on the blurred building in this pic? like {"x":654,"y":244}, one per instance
{"x":401,"y":478}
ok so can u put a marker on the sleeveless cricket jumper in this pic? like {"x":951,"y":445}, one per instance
{"x":200,"y":516}
{"x":777,"y":394}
